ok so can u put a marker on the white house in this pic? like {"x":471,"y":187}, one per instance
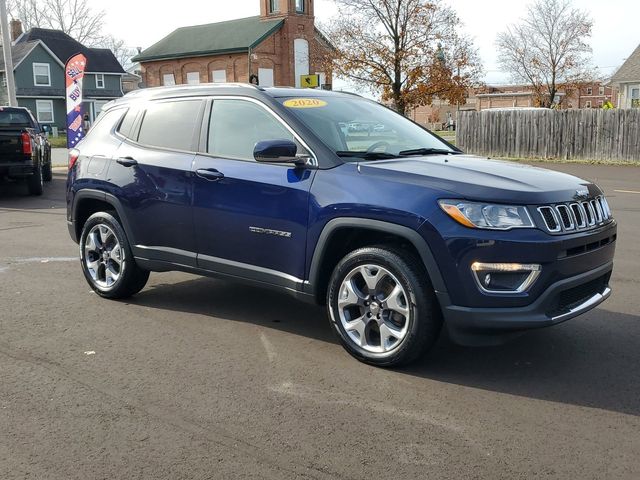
{"x":627,"y":81}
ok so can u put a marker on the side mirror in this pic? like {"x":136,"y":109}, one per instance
{"x":276,"y":151}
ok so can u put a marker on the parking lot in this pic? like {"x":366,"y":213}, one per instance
{"x":198,"y":378}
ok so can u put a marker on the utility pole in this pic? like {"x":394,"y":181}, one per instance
{"x":8,"y":59}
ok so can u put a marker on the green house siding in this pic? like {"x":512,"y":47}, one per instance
{"x":112,"y":86}
{"x":59,"y":110}
{"x":24,"y":73}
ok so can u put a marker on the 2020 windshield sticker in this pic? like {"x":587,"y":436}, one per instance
{"x":304,"y":103}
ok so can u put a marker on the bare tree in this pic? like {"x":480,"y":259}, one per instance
{"x":119,"y":48}
{"x":409,"y":51}
{"x":548,"y":49}
{"x":74,"y":17}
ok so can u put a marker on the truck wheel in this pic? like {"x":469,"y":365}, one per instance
{"x":47,"y":172}
{"x":383,"y":307}
{"x":106,"y":258}
{"x":35,"y":183}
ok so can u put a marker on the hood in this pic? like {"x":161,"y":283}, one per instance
{"x":482,"y":179}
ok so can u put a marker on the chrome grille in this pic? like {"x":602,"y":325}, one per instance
{"x":569,"y":217}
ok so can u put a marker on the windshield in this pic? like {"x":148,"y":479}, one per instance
{"x":14,"y":118}
{"x":360,"y":128}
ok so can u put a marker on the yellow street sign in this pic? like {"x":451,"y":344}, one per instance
{"x":309,"y":81}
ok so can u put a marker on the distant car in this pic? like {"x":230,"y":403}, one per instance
{"x":25,"y":151}
{"x":395,"y":235}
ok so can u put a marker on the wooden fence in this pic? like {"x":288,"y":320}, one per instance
{"x":588,"y":134}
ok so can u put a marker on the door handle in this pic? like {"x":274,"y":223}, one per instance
{"x":209,"y":174}
{"x":127,"y":161}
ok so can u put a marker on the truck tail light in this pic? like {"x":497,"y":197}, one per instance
{"x":73,"y":157}
{"x":26,"y":143}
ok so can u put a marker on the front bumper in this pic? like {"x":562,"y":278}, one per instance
{"x":561,"y":301}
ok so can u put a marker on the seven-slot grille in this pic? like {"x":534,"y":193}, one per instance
{"x":583,"y":215}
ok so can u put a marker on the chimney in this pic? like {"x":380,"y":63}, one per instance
{"x":16,"y":29}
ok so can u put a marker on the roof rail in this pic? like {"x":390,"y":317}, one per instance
{"x":152,"y":90}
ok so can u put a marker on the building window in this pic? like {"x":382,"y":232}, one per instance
{"x":601,"y":91}
{"x":274,"y":6}
{"x":99,"y":80}
{"x":193,"y":78}
{"x":41,"y":74}
{"x":44,"y":111}
{"x":587,"y":104}
{"x":635,"y":97}
{"x":219,"y":76}
{"x":589,"y":91}
{"x":168,"y":79}
{"x":265,"y":77}
{"x":299,"y":6}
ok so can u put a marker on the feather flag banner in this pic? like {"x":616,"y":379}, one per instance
{"x":74,"y":74}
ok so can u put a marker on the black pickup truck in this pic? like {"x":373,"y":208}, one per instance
{"x":25,"y":152}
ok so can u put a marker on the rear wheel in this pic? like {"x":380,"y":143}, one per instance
{"x":35,"y":183}
{"x":106,"y":258}
{"x":383,"y":307}
{"x":47,"y":172}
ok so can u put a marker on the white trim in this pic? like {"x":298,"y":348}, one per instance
{"x":47,"y":49}
{"x":33,"y":68}
{"x":50,"y":102}
{"x":41,"y":97}
{"x":101,"y":76}
{"x":107,"y":73}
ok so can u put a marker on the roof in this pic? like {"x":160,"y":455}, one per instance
{"x":99,"y":60}
{"x":630,"y":69}
{"x":18,"y":52}
{"x":214,"y":38}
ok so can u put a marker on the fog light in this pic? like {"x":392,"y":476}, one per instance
{"x":505,"y":277}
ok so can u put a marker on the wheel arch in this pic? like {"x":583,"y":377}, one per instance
{"x":87,"y":202}
{"x":323,"y":260}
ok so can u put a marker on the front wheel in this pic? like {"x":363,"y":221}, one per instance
{"x":106,"y":258}
{"x":382,"y":306}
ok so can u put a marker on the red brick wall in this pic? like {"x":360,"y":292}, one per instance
{"x":275,"y":52}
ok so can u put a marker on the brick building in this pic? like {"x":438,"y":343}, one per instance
{"x":595,"y":95}
{"x":588,"y":95}
{"x":275,"y":48}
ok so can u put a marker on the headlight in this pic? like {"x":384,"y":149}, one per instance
{"x":486,"y":215}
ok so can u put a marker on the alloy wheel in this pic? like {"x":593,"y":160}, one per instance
{"x":374,"y":308}
{"x":103,"y":256}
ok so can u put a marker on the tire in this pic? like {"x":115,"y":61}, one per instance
{"x":47,"y":171}
{"x":106,"y":259}
{"x":35,"y":183}
{"x":397,"y":321}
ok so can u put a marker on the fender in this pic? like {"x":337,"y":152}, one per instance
{"x":405,"y":232}
{"x":107,"y":198}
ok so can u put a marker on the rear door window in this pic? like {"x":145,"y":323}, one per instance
{"x":171,"y":125}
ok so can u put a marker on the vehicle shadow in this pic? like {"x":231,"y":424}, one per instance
{"x":592,"y":361}
{"x":241,"y":303}
{"x":14,"y":194}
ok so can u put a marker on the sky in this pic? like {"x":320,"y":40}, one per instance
{"x":615,"y":34}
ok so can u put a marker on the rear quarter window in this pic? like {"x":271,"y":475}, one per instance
{"x":171,"y":125}
{"x":105,"y":123}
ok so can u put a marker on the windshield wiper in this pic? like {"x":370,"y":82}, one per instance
{"x":366,"y":155}
{"x":427,"y":151}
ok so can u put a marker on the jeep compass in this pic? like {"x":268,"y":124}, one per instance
{"x":397,"y":231}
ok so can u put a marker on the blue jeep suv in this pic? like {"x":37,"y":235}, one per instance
{"x":396,"y":230}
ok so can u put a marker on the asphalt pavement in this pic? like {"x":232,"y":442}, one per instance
{"x":197,"y":378}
